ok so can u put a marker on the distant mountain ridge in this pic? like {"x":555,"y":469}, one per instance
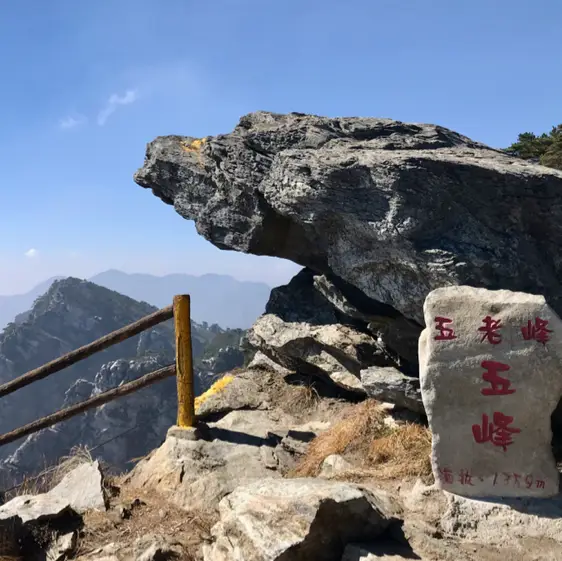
{"x":215,"y":299}
{"x":71,"y":313}
{"x":12,"y":305}
{"x":219,"y":299}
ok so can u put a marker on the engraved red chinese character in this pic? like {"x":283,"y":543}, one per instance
{"x":500,"y":386}
{"x":465,"y":477}
{"x":536,"y":331}
{"x":490,"y":330}
{"x":499,"y":433}
{"x":446,"y":474}
{"x":445,"y":333}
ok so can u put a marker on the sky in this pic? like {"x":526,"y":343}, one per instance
{"x":85,"y":85}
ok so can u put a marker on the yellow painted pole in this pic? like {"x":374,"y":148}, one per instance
{"x":184,"y":362}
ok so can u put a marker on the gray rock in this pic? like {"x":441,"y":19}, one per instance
{"x":83,"y":488}
{"x":245,"y":389}
{"x":311,"y":326}
{"x":490,"y":380}
{"x":394,"y":333}
{"x":34,"y":508}
{"x":268,"y":457}
{"x":524,"y":528}
{"x":313,"y":309}
{"x":335,"y":351}
{"x":79,"y":491}
{"x":333,"y":465}
{"x":199,"y":473}
{"x":57,"y":512}
{"x":390,"y":385}
{"x":294,"y":519}
{"x":300,"y":300}
{"x":393,"y":209}
{"x":261,"y":360}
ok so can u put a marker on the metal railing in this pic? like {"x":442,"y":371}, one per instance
{"x":182,"y":369}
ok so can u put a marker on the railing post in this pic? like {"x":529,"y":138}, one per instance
{"x":184,"y":361}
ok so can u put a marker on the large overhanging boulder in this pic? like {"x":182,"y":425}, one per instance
{"x":393,"y":209}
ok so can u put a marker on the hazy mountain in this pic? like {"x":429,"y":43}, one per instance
{"x":219,"y":299}
{"x":11,"y":306}
{"x":71,"y":313}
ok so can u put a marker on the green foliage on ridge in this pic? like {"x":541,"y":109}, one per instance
{"x":546,"y":149}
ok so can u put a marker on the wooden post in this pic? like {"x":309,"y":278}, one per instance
{"x":184,"y":361}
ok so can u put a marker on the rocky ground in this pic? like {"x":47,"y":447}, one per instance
{"x":279,"y":468}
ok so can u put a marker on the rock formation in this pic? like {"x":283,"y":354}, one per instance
{"x":379,"y":213}
{"x":393,"y":209}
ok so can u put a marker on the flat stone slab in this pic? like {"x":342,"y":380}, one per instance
{"x":81,"y":490}
{"x":34,"y":508}
{"x":386,"y":383}
{"x":295,"y":519}
{"x":491,"y":376}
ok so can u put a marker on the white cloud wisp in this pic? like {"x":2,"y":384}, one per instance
{"x":114,"y":102}
{"x":72,"y":122}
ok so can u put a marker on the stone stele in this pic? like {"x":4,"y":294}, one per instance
{"x":490,"y":373}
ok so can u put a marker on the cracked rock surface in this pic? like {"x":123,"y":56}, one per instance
{"x":393,"y":209}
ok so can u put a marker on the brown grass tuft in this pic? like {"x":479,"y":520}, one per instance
{"x":306,"y":397}
{"x":404,"y":452}
{"x":374,"y":448}
{"x":78,"y":455}
{"x":353,"y":433}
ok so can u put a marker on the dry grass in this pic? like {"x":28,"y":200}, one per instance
{"x":358,"y":426}
{"x":78,"y":456}
{"x":150,"y":515}
{"x":404,"y":452}
{"x":305,"y":398}
{"x":376,"y":449}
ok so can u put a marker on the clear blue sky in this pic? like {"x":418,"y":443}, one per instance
{"x":85,"y":85}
